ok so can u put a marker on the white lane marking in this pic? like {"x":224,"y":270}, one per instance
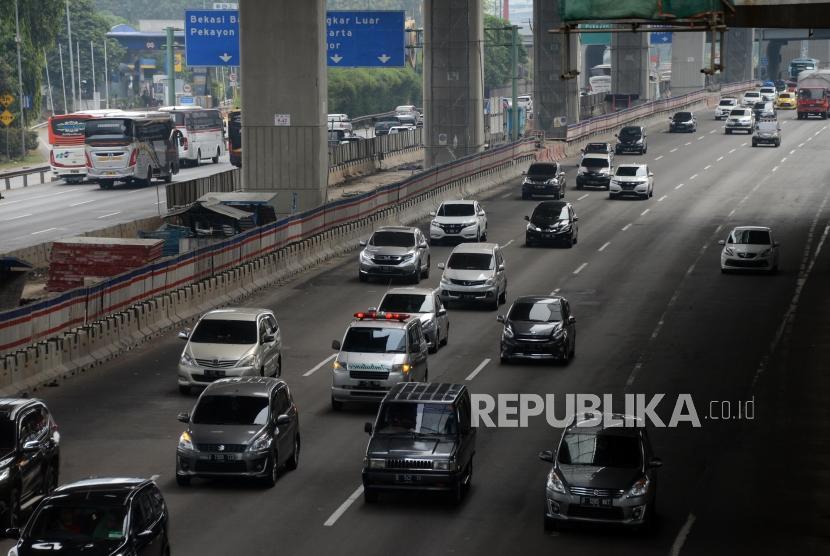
{"x":680,"y":540}
{"x":809,"y":139}
{"x":604,"y":245}
{"x":673,"y":150}
{"x":108,"y":215}
{"x":731,"y":212}
{"x":679,"y":185}
{"x":687,"y":144}
{"x":580,"y":268}
{"x":792,"y":151}
{"x":800,"y":145}
{"x":774,"y":168}
{"x":719,"y":159}
{"x":645,"y":212}
{"x":707,"y":167}
{"x":83,"y":203}
{"x":43,"y":231}
{"x":783,"y":160}
{"x":663,"y":198}
{"x":731,"y":151}
{"x":659,"y":157}
{"x":18,"y":217}
{"x":744,"y":144}
{"x":624,"y":228}
{"x":693,"y":177}
{"x":477,"y":370}
{"x":508,"y":243}
{"x":701,"y":138}
{"x":507,"y":195}
{"x":556,"y":291}
{"x":719,"y":228}
{"x":583,"y":197}
{"x":713,"y":131}
{"x":319,"y":365}
{"x":343,"y":507}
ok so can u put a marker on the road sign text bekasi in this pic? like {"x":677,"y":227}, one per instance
{"x":212,"y":37}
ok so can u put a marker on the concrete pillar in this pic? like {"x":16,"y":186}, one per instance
{"x":453,"y":80}
{"x":284,"y":101}
{"x":687,"y":53}
{"x":629,"y":65}
{"x":553,"y":97}
{"x":738,"y":55}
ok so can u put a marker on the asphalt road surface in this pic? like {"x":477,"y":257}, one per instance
{"x":654,"y":315}
{"x":50,"y":211}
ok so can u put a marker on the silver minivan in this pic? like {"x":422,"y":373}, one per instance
{"x":378,"y":351}
{"x":476,"y":273}
{"x":425,"y":303}
{"x":230,"y":342}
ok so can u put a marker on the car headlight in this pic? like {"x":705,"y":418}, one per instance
{"x":525,"y":181}
{"x":557,"y":333}
{"x":729,"y":251}
{"x":402,"y":368}
{"x":434,"y":224}
{"x":604,"y":171}
{"x":765,"y":253}
{"x":444,"y":465}
{"x":533,"y":227}
{"x":508,"y":331}
{"x":364,"y":257}
{"x":249,"y":361}
{"x":260,"y":443}
{"x":375,"y":463}
{"x":445,"y":281}
{"x":187,"y":360}
{"x":470,"y":223}
{"x":580,"y":171}
{"x":554,"y":482}
{"x":490,"y":281}
{"x":4,"y":474}
{"x":185,"y":442}
{"x":428,"y":325}
{"x":338,"y":365}
{"x":639,"y":488}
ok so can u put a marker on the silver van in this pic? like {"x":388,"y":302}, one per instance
{"x":378,"y":351}
{"x":230,"y":342}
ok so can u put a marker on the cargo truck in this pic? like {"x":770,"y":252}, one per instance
{"x":813,"y":94}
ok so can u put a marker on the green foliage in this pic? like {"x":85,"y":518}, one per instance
{"x":370,"y":91}
{"x":497,"y":56}
{"x":13,"y":146}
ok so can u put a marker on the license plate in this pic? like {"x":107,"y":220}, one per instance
{"x":74,"y":171}
{"x":214,"y":374}
{"x":596,"y":501}
{"x":225,"y":457}
{"x":109,"y":173}
{"x":407,"y":478}
{"x":386,"y":269}
{"x":368,"y":384}
{"x":549,"y":235}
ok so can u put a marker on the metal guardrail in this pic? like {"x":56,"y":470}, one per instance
{"x":374,"y":147}
{"x":371,"y":119}
{"x":25,"y":173}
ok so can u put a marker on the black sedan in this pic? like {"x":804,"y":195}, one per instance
{"x":683,"y":121}
{"x":552,"y":222}
{"x":538,"y":328}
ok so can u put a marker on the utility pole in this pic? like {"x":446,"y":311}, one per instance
{"x":92,"y":58}
{"x":71,"y":61}
{"x":78,"y":59}
{"x":20,"y":99}
{"x":514,"y":63}
{"x":63,"y":79}
{"x":171,"y":70}
{"x":49,"y":82}
{"x":106,"y":74}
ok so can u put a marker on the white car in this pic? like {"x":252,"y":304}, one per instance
{"x":725,"y":106}
{"x":750,"y":98}
{"x":768,"y":94}
{"x":632,"y":179}
{"x":400,"y":129}
{"x":749,"y":248}
{"x":474,"y":273}
{"x":464,"y":220}
{"x":740,"y":119}
{"x":339,"y":122}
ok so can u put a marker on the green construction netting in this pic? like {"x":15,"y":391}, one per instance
{"x":656,"y":10}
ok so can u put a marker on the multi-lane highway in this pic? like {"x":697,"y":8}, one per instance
{"x":654,"y":315}
{"x":46,"y":212}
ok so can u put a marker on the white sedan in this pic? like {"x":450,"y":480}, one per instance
{"x":464,"y":220}
{"x":749,"y":248}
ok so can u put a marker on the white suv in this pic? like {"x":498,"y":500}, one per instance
{"x":724,"y":107}
{"x":750,"y":98}
{"x":632,"y":179}
{"x":465,"y":220}
{"x":474,"y":273}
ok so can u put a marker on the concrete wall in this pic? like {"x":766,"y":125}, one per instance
{"x":629,"y":64}
{"x":687,"y":52}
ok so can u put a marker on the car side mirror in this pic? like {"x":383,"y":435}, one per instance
{"x":527,"y":218}
{"x":146,"y":534}
{"x":367,"y":428}
{"x":31,"y":446}
{"x":268,"y":338}
{"x":501,"y":268}
{"x":184,"y":417}
{"x":500,"y":318}
{"x":571,"y":319}
{"x":651,"y":174}
{"x":335,"y":344}
{"x":655,"y":463}
{"x":721,"y":242}
{"x":442,"y":311}
{"x":362,"y":243}
{"x":576,"y":219}
{"x":12,"y":533}
{"x":184,"y":334}
{"x":283,"y":420}
{"x":442,"y":266}
{"x":481,"y":213}
{"x":776,"y":244}
{"x":432,"y":213}
{"x":546,"y":455}
{"x":423,"y":245}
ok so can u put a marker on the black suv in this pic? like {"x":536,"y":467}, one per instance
{"x":383,"y":127}
{"x":538,"y":327}
{"x":552,"y":221}
{"x":98,"y":516}
{"x":241,"y":427}
{"x":422,"y":439}
{"x":543,"y":178}
{"x":683,"y":121}
{"x":631,"y":139}
{"x":30,"y":454}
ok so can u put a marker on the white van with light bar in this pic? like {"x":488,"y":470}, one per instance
{"x":378,"y":351}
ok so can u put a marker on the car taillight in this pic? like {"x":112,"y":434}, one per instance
{"x":134,"y":157}
{"x":88,"y":160}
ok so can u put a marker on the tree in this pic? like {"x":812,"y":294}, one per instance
{"x":497,"y":52}
{"x":371,"y":91}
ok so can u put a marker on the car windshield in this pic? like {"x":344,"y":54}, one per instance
{"x":84,"y":523}
{"x":785,"y":95}
{"x":600,"y":450}
{"x":393,"y":239}
{"x":418,"y":418}
{"x":364,"y":339}
{"x":7,"y":433}
{"x":595,"y":162}
{"x":630,"y":133}
{"x":407,"y":303}
{"x":551,"y":212}
{"x":215,"y":331}
{"x":627,"y":171}
{"x":768,"y":90}
{"x":470,"y":261}
{"x":811,"y":94}
{"x":542,"y":170}
{"x":540,"y":311}
{"x":726,"y":102}
{"x":738,"y":113}
{"x":682,"y":116}
{"x":231,"y":410}
{"x":749,"y":237}
{"x":456,"y":209}
{"x":596,"y":148}
{"x":752,"y":95}
{"x":759,"y":105}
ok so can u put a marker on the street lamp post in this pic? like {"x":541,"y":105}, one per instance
{"x":20,"y":98}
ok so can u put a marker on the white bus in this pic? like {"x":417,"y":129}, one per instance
{"x":203,"y":131}
{"x":131,"y":147}
{"x":66,"y":143}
